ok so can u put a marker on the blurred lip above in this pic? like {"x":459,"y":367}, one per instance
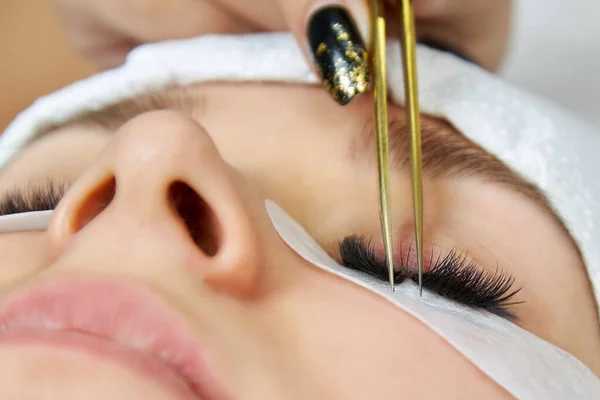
{"x":122,"y":321}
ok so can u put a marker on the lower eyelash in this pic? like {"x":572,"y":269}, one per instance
{"x":453,"y":276}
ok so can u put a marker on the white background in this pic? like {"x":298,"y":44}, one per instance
{"x":555,"y":53}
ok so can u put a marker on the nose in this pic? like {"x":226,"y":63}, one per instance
{"x":161,"y":194}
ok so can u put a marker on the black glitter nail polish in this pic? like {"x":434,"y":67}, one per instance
{"x":339,"y":53}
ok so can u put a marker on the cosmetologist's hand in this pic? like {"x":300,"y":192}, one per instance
{"x":334,"y":34}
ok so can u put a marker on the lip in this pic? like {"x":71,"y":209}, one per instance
{"x":127,"y":314}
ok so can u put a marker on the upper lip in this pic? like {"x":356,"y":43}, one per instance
{"x":126,"y":313}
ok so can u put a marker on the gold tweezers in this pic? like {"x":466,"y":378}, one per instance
{"x":408,"y":44}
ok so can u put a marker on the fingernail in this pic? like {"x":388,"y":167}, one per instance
{"x":339,"y":53}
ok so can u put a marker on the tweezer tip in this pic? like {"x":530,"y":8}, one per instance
{"x":393,"y":287}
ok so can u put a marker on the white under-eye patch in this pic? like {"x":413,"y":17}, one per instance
{"x":523,"y":364}
{"x":29,"y":221}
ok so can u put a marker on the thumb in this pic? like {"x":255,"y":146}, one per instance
{"x":334,"y":35}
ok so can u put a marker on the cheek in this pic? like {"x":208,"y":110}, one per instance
{"x":368,"y":348}
{"x":23,"y":254}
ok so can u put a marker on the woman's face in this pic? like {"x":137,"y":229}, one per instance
{"x":171,"y":204}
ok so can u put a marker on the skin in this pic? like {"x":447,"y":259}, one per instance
{"x":105,"y":31}
{"x":275,"y":326}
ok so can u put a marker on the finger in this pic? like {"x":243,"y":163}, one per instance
{"x":105,"y":30}
{"x":424,"y":8}
{"x":106,"y":51}
{"x":472,"y":29}
{"x":158,"y":20}
{"x":265,"y":15}
{"x":94,"y":41}
{"x":334,"y":35}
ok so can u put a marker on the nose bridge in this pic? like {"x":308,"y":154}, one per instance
{"x":162,"y":173}
{"x":159,"y":148}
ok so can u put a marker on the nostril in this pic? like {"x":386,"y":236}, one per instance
{"x":94,"y":204}
{"x":199,"y":218}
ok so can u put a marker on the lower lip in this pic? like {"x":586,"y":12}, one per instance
{"x":144,"y":364}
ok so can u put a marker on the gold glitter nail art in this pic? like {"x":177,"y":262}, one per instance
{"x":340,"y":55}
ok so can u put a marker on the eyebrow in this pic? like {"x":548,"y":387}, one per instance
{"x":447,"y":154}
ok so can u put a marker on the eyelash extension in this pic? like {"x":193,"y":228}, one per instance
{"x":36,"y":197}
{"x":453,"y":276}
